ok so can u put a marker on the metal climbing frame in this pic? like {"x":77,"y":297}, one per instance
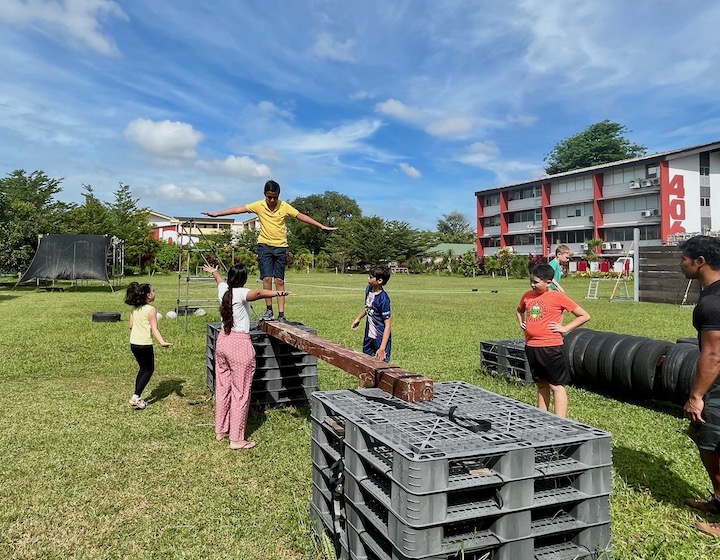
{"x":188,"y":235}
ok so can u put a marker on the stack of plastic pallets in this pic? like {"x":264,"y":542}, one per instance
{"x":469,"y":475}
{"x":506,"y":357}
{"x":284,"y":375}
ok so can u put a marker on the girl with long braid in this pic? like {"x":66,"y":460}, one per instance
{"x":235,"y":355}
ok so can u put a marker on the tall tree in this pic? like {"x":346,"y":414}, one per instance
{"x":130,"y":223}
{"x":330,"y":208}
{"x":599,"y":143}
{"x":27,"y":209}
{"x":455,"y":228}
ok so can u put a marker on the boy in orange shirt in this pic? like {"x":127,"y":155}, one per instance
{"x":540,"y":315}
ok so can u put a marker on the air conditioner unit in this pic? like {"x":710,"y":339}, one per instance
{"x":646,"y":183}
{"x":646,"y":213}
{"x":585,"y":246}
{"x":656,"y":182}
{"x":656,"y":212}
{"x":616,"y":245}
{"x":552,"y":222}
{"x":606,"y":246}
{"x":634,"y":184}
{"x":591,"y":218}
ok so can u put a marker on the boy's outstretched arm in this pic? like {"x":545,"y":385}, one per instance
{"x":227,"y":211}
{"x":581,"y":317}
{"x":308,"y":220}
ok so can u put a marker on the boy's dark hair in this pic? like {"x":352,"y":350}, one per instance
{"x":271,"y":186}
{"x":237,"y":276}
{"x":703,"y":246}
{"x":543,"y":271}
{"x":137,"y":294}
{"x":380,"y":273}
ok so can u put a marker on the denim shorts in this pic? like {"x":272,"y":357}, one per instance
{"x":272,"y":261}
{"x":707,"y":435}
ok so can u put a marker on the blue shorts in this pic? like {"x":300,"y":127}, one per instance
{"x":707,"y":435}
{"x":371,"y":345}
{"x":272,"y":261}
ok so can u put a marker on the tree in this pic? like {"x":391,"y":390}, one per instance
{"x":130,"y":223}
{"x":27,"y":209}
{"x":92,"y":217}
{"x":455,"y":228}
{"x":599,"y":143}
{"x":330,"y":208}
{"x":469,"y":265}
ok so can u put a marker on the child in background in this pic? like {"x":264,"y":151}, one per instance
{"x":563,"y":254}
{"x":378,"y":338}
{"x":540,"y":315}
{"x":143,"y":326}
{"x":235,"y":355}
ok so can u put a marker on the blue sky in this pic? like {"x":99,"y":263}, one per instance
{"x":408,"y":107}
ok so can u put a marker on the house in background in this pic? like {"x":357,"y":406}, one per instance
{"x":184,"y":230}
{"x":665,"y":196}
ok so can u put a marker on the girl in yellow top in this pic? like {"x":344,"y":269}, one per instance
{"x":143,"y":326}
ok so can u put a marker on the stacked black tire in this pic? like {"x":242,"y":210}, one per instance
{"x":634,"y":366}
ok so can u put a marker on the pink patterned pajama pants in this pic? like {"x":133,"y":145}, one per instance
{"x":234,"y":371}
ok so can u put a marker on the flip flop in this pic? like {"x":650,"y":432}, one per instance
{"x":246,"y":445}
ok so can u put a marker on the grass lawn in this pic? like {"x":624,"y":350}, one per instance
{"x":86,"y":476}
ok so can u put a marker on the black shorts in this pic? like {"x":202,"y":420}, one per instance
{"x":707,"y":435}
{"x":547,"y":363}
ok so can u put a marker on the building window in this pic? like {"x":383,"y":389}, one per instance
{"x":491,"y":200}
{"x":651,"y":171}
{"x":704,"y":201}
{"x":705,"y":163}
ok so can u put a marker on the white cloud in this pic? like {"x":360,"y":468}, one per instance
{"x":398,"y":110}
{"x":479,"y":154}
{"x":410,"y":171}
{"x":166,"y":139}
{"x":242,"y":167}
{"x":79,"y":20}
{"x":328,"y":48}
{"x":171,"y":192}
{"x":339,"y":139}
{"x":268,"y":153}
{"x":360,"y":95}
{"x":452,"y":127}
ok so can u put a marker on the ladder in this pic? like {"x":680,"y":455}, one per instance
{"x":620,"y":291}
{"x":593,"y":288}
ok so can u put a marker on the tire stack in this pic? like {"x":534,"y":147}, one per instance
{"x":470,"y":475}
{"x":284,"y":375}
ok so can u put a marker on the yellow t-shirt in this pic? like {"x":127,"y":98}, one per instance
{"x":140,"y":333}
{"x":272,"y":222}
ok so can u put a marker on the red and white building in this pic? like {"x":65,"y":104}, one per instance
{"x":186,"y":230}
{"x":663,"y":195}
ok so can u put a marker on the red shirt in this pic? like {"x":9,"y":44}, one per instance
{"x":541,"y":310}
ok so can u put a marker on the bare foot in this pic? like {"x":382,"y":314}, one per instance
{"x":244,"y":444}
{"x":221,"y":437}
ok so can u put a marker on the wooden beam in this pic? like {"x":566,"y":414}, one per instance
{"x":408,"y":386}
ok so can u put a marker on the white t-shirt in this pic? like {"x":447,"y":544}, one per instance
{"x":241,"y":307}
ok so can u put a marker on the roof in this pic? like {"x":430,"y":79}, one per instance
{"x":456,"y":248}
{"x":661,"y":156}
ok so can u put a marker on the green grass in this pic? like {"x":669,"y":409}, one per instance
{"x":85,"y":476}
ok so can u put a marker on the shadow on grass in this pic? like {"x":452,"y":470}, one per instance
{"x":640,"y":469}
{"x":165,"y":389}
{"x":257,"y":416}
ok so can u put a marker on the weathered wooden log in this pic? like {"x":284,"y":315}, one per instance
{"x":400,"y":383}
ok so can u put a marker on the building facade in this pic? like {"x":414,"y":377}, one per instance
{"x":664,"y":195}
{"x":184,"y":230}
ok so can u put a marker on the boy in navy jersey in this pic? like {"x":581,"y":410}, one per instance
{"x":378,"y":340}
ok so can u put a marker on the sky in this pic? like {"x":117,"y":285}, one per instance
{"x":406,"y":106}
